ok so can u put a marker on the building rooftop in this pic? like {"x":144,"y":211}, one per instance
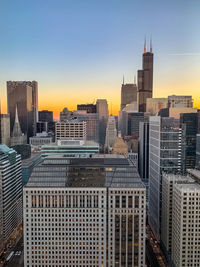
{"x":59,"y":171}
{"x":188,"y":187}
{"x":74,"y":143}
{"x":29,"y":161}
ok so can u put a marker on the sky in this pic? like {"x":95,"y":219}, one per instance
{"x":78,"y":51}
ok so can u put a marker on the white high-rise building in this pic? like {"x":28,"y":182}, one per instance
{"x":168,"y":182}
{"x":11,"y":193}
{"x":185,"y":225}
{"x":111,"y":133}
{"x":73,"y":129}
{"x":85,"y":212}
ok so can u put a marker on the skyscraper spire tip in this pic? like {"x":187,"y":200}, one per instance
{"x":151,"y":49}
{"x":145,"y":47}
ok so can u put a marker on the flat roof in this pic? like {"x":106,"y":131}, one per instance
{"x":59,"y":171}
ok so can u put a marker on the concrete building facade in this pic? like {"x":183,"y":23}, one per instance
{"x":84,"y":215}
{"x":73,"y":129}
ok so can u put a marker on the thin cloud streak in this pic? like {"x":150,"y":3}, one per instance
{"x":185,"y":54}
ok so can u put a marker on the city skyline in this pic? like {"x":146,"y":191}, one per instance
{"x":79,"y":52}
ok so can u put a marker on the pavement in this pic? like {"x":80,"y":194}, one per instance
{"x":16,"y":261}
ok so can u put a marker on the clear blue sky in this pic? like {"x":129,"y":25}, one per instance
{"x":78,"y":50}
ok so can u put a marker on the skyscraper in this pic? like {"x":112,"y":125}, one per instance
{"x":191,"y":122}
{"x":145,"y":79}
{"x":5,"y":129}
{"x":92,"y":124}
{"x":168,"y":182}
{"x":46,"y":116}
{"x":166,"y":154}
{"x":102,"y":110}
{"x":128,"y":94}
{"x":11,"y":193}
{"x":111,"y":133}
{"x":24,"y":96}
{"x":85,"y":212}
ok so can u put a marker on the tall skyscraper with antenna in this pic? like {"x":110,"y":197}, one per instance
{"x":128,"y":93}
{"x":145,"y":78}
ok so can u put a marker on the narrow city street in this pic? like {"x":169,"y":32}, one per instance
{"x":17,"y":260}
{"x":155,"y":248}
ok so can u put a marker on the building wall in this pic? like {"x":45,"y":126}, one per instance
{"x":154,"y":105}
{"x":128,"y":94}
{"x":166,"y":153}
{"x":191,"y":122}
{"x":5,"y":129}
{"x":126,"y":231}
{"x":144,"y":150}
{"x":74,"y":227}
{"x":180,"y":100}
{"x":45,"y":116}
{"x":71,"y":129}
{"x":198,"y":150}
{"x":11,"y":193}
{"x":24,"y":96}
{"x":185,"y":231}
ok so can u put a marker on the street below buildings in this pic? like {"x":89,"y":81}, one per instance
{"x":158,"y":258}
{"x":18,"y":258}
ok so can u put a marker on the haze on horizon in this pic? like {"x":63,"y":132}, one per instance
{"x":79,"y":50}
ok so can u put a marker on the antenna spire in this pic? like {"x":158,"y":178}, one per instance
{"x":151,"y":49}
{"x":123,"y":79}
{"x":145,"y":47}
{"x":134,"y":79}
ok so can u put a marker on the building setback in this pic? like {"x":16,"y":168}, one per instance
{"x":92,"y":210}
